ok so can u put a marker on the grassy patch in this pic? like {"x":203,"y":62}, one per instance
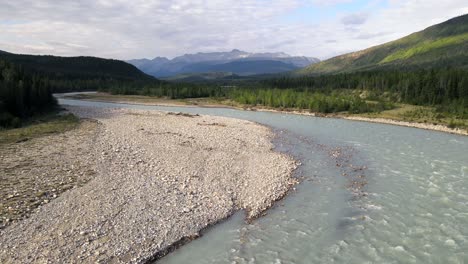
{"x":114,"y":98}
{"x":420,"y":114}
{"x":39,"y":126}
{"x":209,"y":101}
{"x":426,"y":47}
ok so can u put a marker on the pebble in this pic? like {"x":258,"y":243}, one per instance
{"x":450,"y":243}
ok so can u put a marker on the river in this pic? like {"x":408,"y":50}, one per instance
{"x":369,"y":193}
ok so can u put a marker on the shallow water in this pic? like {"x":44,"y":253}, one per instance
{"x":413,"y":209}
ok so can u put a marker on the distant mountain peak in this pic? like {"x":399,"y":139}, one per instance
{"x":220,"y":62}
{"x":160,"y":59}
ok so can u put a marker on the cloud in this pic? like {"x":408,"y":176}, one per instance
{"x":280,"y":44}
{"x":149,"y":28}
{"x":329,"y":2}
{"x":372,"y":35}
{"x":122,"y":29}
{"x":355,"y":19}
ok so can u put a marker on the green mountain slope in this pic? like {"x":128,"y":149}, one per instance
{"x":441,"y":45}
{"x":76,"y":67}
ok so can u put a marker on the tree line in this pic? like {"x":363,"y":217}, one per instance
{"x":320,"y":102}
{"x":446,"y":88}
{"x":170,"y":90}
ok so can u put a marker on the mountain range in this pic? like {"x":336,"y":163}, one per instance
{"x":441,"y":45}
{"x":236,"y":62}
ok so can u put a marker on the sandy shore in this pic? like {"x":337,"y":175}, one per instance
{"x":440,"y":128}
{"x":159,"y":178}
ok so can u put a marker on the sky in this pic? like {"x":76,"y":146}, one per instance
{"x":123,"y":29}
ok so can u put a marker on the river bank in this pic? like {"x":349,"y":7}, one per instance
{"x":426,"y":126}
{"x":159,"y":178}
{"x":145,"y":100}
{"x":435,"y":127}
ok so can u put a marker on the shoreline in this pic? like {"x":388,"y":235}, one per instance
{"x":439,"y":128}
{"x":161,"y":180}
{"x":425,"y":126}
{"x":378,"y":120}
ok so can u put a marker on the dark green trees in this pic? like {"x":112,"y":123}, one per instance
{"x":22,"y":95}
{"x":446,"y":88}
{"x":306,"y":100}
{"x":443,"y":87}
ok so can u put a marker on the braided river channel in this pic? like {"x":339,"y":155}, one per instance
{"x":368,"y":193}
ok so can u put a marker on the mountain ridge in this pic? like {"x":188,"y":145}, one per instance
{"x":75,"y":67}
{"x":216,"y":62}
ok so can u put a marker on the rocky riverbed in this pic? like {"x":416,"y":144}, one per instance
{"x":159,"y":178}
{"x":34,"y":172}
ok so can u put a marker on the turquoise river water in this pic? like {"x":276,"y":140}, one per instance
{"x":369,"y":193}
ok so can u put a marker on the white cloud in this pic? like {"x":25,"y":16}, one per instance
{"x":149,"y":28}
{"x":138,"y":28}
{"x":355,"y":19}
{"x":330,"y":2}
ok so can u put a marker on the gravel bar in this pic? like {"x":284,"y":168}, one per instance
{"x":159,"y":179}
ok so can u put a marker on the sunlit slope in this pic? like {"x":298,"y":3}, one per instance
{"x":441,"y":45}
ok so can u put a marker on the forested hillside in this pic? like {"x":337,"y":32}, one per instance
{"x":79,"y":73}
{"x":443,"y":90}
{"x":447,"y":88}
{"x":27,"y":81}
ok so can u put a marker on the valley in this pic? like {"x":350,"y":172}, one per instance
{"x":235,"y":151}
